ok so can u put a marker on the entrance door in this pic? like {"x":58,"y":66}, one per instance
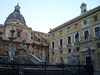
{"x":88,"y":60}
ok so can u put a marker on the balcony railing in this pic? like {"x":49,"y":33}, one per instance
{"x":52,"y":49}
{"x":77,"y":43}
{"x":96,"y":38}
{"x":60,"y":47}
{"x":68,"y":45}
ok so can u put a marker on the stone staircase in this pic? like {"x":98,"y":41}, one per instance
{"x":35,"y":59}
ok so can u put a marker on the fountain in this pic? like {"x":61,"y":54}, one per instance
{"x":12,"y":48}
{"x":72,"y":61}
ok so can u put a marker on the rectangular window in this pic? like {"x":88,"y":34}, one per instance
{"x":77,"y":37}
{"x":99,"y":57}
{"x":1,"y":33}
{"x":68,"y":29}
{"x":61,"y":42}
{"x":77,"y":49}
{"x":98,"y":45}
{"x":76,"y":26}
{"x":86,"y":34}
{"x":61,"y":59}
{"x":60,"y":32}
{"x":97,"y":31}
{"x":69,"y":39}
{"x":78,"y":58}
{"x":52,"y":35}
{"x":52,"y":53}
{"x":96,"y":18}
{"x":61,"y":51}
{"x":18,"y":34}
{"x":69,"y":50}
{"x":53,"y":44}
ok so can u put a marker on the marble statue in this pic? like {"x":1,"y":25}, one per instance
{"x":22,"y":52}
{"x":22,"y":48}
{"x":30,"y":49}
{"x":11,"y":52}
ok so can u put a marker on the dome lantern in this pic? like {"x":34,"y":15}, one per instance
{"x":17,"y":8}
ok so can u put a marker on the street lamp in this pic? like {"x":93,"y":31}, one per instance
{"x":90,"y":63}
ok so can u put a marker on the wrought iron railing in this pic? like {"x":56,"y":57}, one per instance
{"x":44,"y":69}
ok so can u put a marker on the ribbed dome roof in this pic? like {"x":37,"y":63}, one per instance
{"x":16,"y":14}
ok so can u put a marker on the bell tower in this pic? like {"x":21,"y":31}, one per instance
{"x":83,"y":8}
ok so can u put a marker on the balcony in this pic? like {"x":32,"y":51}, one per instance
{"x":68,"y":45}
{"x":60,"y":47}
{"x":86,"y":40}
{"x":77,"y":43}
{"x":52,"y":49}
{"x":96,"y":38}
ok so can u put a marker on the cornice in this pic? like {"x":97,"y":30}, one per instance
{"x":76,"y":18}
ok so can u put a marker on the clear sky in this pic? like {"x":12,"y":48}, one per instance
{"x":41,"y":15}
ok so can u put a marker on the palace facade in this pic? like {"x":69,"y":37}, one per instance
{"x":81,"y":34}
{"x":38,"y":40}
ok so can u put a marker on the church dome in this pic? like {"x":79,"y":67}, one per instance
{"x":16,"y":14}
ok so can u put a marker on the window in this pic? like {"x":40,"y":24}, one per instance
{"x":52,"y":60}
{"x":52,"y":44}
{"x":68,"y":29}
{"x":18,"y":34}
{"x":34,"y":33}
{"x":97,"y":31}
{"x":77,"y":49}
{"x":61,"y":52}
{"x":98,"y":45}
{"x":60,"y":32}
{"x":52,"y":53}
{"x":99,"y":57}
{"x":86,"y":34}
{"x":17,"y":23}
{"x":52,"y":35}
{"x":45,"y":35}
{"x":31,"y":37}
{"x":76,"y":26}
{"x":61,"y":59}
{"x":69,"y":39}
{"x":61,"y":42}
{"x":77,"y":37}
{"x":38,"y":39}
{"x":78,"y":58}
{"x":69,"y":50}
{"x":96,"y":18}
{"x":1,"y":33}
{"x":85,"y":22}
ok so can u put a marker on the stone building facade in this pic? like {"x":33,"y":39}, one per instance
{"x":79,"y":34}
{"x":38,"y":40}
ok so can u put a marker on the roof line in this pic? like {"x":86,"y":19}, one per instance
{"x":76,"y":19}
